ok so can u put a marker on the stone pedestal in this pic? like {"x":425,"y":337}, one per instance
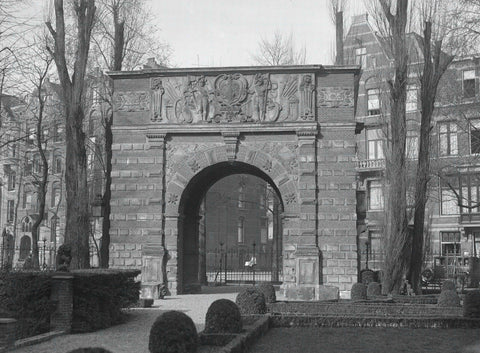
{"x":154,"y":258}
{"x":307,"y":283}
{"x":7,"y":333}
{"x":62,"y":296}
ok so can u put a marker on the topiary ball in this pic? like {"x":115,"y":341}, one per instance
{"x":251,"y":301}
{"x":448,"y":285}
{"x":223,"y":316}
{"x":448,"y":298}
{"x":367,"y":276}
{"x":374,"y":289}
{"x":173,"y":331}
{"x":268,"y":291}
{"x":471,"y":304}
{"x":359,"y":291}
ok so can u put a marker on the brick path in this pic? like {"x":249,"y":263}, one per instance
{"x":132,"y":337}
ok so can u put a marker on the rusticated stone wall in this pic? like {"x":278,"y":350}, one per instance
{"x":177,"y":132}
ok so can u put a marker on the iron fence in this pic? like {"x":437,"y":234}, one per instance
{"x":243,"y":265}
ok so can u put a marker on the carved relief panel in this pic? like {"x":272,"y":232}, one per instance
{"x":232,"y":98}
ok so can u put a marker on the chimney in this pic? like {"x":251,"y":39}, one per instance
{"x":339,"y":37}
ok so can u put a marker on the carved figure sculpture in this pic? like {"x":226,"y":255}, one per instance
{"x":306,"y":96}
{"x":261,"y":87}
{"x":64,"y":257}
{"x":157,"y":99}
{"x":201,"y":98}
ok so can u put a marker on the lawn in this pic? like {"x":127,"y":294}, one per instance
{"x":368,"y":340}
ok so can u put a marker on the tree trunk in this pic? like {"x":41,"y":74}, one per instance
{"x":77,"y":227}
{"x":396,"y":244}
{"x":119,"y":42}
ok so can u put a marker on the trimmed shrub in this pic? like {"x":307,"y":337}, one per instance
{"x":173,"y":331}
{"x":448,"y":298}
{"x":374,"y":289}
{"x":223,"y":316}
{"x":367,"y":276}
{"x":251,"y":301}
{"x":100,"y":295}
{"x":268,"y":291}
{"x":359,"y":291}
{"x":25,"y":296}
{"x":448,"y":285}
{"x":471,"y":304}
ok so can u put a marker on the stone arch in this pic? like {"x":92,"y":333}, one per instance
{"x":182,"y":172}
{"x":187,"y":188}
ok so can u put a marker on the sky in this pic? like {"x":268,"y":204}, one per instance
{"x":227,"y":32}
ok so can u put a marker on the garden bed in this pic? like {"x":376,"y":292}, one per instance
{"x":364,"y":308}
{"x":254,"y":326}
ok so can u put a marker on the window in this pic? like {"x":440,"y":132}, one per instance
{"x":10,"y":210}
{"x":469,"y":83}
{"x":27,"y":200}
{"x":56,"y":192}
{"x":361,"y":57}
{"x":449,"y":200}
{"x":450,"y":243}
{"x":36,"y":164}
{"x":263,"y":230}
{"x":57,"y":133}
{"x":241,"y":195}
{"x":375,"y":195}
{"x":53,"y":228}
{"x":57,"y":165}
{"x":31,"y":136}
{"x":26,"y":224}
{"x":11,"y":180}
{"x":241,"y":230}
{"x":470,"y":192}
{"x":411,"y":98}
{"x":373,"y":101}
{"x":13,"y":150}
{"x":374,"y":144}
{"x":411,"y":148}
{"x":475,"y":136}
{"x":448,"y":143}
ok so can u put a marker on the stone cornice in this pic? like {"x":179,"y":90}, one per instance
{"x":223,"y":129}
{"x":231,"y":69}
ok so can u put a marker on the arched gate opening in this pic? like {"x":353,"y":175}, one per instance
{"x":194,"y":266}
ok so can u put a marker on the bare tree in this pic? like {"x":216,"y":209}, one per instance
{"x":392,"y":17}
{"x":279,"y":50}
{"x":77,"y":210}
{"x":123,"y":40}
{"x":434,"y":63}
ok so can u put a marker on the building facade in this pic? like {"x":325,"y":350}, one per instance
{"x":452,"y":225}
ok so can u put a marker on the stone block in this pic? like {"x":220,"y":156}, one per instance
{"x":327,"y":293}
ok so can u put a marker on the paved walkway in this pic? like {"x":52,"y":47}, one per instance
{"x":132,"y":337}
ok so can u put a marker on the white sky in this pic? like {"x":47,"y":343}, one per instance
{"x":226,"y":32}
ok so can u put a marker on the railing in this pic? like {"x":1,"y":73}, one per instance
{"x":231,"y":265}
{"x":370,"y":164}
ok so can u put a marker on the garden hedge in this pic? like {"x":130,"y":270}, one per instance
{"x":25,"y":296}
{"x":100,"y":295}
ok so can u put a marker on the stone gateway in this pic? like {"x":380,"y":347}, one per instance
{"x":178,"y":131}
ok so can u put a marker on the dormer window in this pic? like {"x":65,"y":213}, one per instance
{"x":361,"y":57}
